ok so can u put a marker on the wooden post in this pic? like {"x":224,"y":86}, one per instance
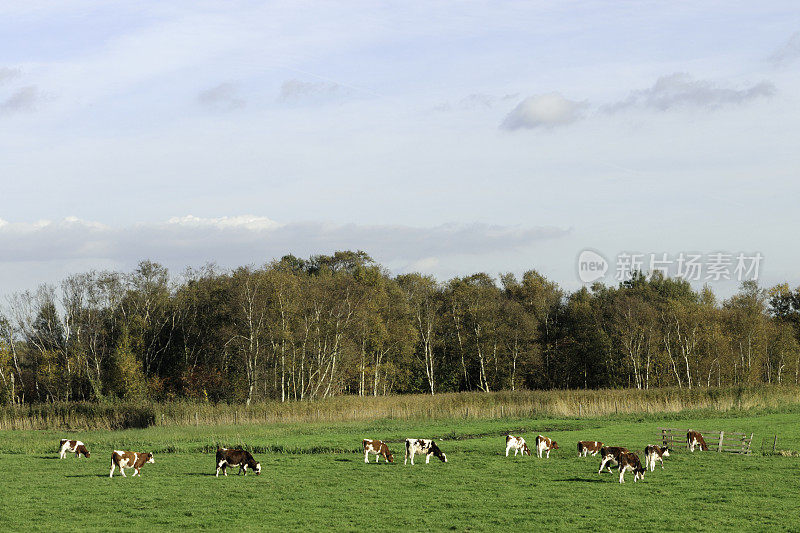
{"x":774,"y":443}
{"x":721,"y":435}
{"x":664,"y":437}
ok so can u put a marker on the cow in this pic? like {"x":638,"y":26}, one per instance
{"x":133,"y":460}
{"x":693,"y":438}
{"x":73,"y":446}
{"x":545,"y":444}
{"x":378,"y":447}
{"x":629,"y":461}
{"x":426,"y":446}
{"x":655,"y":453}
{"x":518,"y":444}
{"x":241,"y":458}
{"x":610,"y":456}
{"x":586,"y":447}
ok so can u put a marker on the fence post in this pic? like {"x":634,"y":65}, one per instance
{"x":774,"y":443}
{"x":664,"y":437}
{"x":721,"y":435}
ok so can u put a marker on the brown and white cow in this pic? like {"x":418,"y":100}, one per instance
{"x":241,"y":458}
{"x":654,"y":453}
{"x":426,"y":446}
{"x":72,"y":446}
{"x":135,"y":460}
{"x":610,"y":456}
{"x":379,"y":448}
{"x":518,"y":444}
{"x":545,"y":444}
{"x":694,"y":438}
{"x":586,"y":447}
{"x":629,"y":461}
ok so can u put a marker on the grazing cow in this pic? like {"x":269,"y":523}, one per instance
{"x":240,"y":458}
{"x":655,"y":453}
{"x":610,"y":456}
{"x":518,"y":444}
{"x":426,"y":446}
{"x":133,"y":460}
{"x":586,"y":447}
{"x":693,"y":438}
{"x":629,"y":461}
{"x":545,"y":444}
{"x":378,"y":447}
{"x":73,"y":446}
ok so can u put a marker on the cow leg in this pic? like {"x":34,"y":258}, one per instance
{"x":122,"y":471}
{"x":377,"y":458}
{"x":412,"y":459}
{"x":662,"y":463}
{"x":548,"y":453}
{"x":602,"y":465}
{"x":366,"y":456}
{"x":507,"y":448}
{"x":135,"y":472}
{"x":111,"y":474}
{"x":427,"y":458}
{"x":622,"y":475}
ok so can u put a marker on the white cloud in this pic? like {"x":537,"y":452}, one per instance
{"x":680,"y":90}
{"x":787,"y":53}
{"x":8,"y":74}
{"x":23,"y":99}
{"x":222,"y":97}
{"x":544,"y":111}
{"x":294,"y":90}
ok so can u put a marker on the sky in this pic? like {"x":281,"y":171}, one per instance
{"x":441,"y":137}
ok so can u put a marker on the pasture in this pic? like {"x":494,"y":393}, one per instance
{"x":314,"y":478}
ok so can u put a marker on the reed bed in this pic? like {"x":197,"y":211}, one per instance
{"x":464,"y":405}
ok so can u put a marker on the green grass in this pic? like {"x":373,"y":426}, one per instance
{"x":314,"y":478}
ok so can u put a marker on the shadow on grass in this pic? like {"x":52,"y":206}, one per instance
{"x":344,"y":460}
{"x":206,"y":474}
{"x":88,"y":475}
{"x":47,"y":457}
{"x":585,"y":480}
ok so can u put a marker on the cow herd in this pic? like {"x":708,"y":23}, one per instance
{"x":611,"y":456}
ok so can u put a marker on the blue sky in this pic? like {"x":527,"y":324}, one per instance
{"x":442,"y":137}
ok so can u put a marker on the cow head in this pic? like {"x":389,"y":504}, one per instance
{"x":665,"y":452}
{"x":438,"y":453}
{"x":257,"y":469}
{"x":389,"y":456}
{"x":150,"y":458}
{"x":525,"y":449}
{"x":82,"y":449}
{"x":638,"y":472}
{"x":554,"y":446}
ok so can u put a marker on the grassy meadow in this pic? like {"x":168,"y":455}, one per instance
{"x":314,"y":477}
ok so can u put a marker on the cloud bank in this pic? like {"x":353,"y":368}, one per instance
{"x":231,"y":241}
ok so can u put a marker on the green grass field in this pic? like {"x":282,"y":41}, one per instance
{"x":314,"y":478}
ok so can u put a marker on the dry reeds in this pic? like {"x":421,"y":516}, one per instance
{"x":477,"y":405}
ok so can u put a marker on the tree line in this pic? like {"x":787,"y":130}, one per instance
{"x":303,"y":329}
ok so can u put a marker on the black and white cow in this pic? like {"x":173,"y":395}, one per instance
{"x":241,"y":458}
{"x":654,"y":453}
{"x":610,"y":456}
{"x":423,"y":446}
